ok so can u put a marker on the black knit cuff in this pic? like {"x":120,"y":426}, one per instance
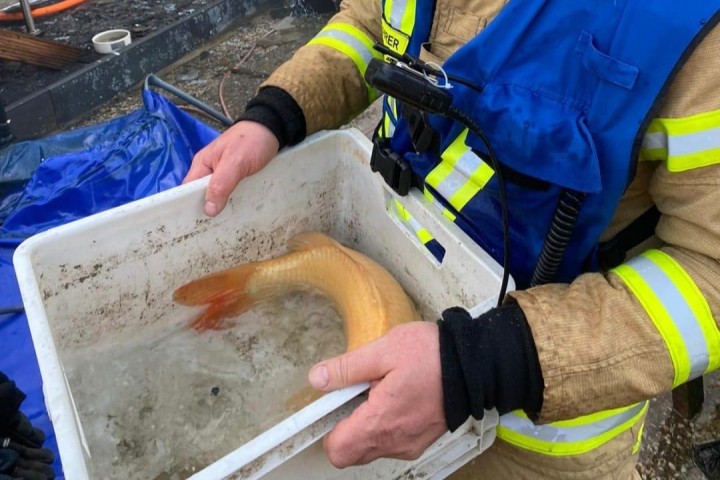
{"x":488,"y":362}
{"x":276,"y":109}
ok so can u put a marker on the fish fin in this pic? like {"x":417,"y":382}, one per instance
{"x":302,"y":398}
{"x":309,"y":240}
{"x":235,"y":303}
{"x":219,"y":310}
{"x":216,"y":286}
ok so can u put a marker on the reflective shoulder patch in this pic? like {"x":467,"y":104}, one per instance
{"x":569,"y":437}
{"x":351,"y":41}
{"x":684,"y":143}
{"x":679,"y":311}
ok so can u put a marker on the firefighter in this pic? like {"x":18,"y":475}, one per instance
{"x":608,"y":112}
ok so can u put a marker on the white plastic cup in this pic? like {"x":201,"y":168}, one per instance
{"x":110,"y":41}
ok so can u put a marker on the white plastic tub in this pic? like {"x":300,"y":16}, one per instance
{"x":106,"y":282}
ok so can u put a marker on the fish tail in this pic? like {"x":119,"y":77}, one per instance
{"x":217,"y":287}
{"x":225,"y":293}
{"x":217,"y":311}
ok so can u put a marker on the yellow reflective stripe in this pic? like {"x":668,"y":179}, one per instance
{"x":401,"y":15}
{"x":393,"y":106}
{"x":653,"y":154}
{"x":351,"y":41}
{"x":463,"y":159}
{"x":463,"y":195}
{"x":456,"y":148}
{"x":682,"y":163}
{"x":570,"y":438}
{"x":394,"y":39}
{"x":686,"y":125}
{"x":388,"y":126}
{"x":684,"y":143}
{"x":461,"y":174}
{"x":408,"y":19}
{"x":697,"y":303}
{"x":481,"y":175}
{"x":660,"y":317}
{"x":388,"y":9}
{"x":438,"y":174}
{"x":476,"y":182}
{"x":679,"y":311}
{"x":388,"y":129}
{"x":414,"y":225}
{"x":638,"y":441}
{"x":424,"y":236}
{"x":447,"y":213}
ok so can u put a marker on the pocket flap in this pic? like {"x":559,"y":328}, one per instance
{"x":604,"y":66}
{"x":538,"y":136}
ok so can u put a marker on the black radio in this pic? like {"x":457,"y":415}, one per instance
{"x":409,"y":86}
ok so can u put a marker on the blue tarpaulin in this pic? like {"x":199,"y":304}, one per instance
{"x":52,"y":181}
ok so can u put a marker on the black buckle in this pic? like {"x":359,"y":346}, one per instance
{"x":422,"y":134}
{"x":394,"y":169}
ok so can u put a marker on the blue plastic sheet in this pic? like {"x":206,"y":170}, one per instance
{"x":49,"y":182}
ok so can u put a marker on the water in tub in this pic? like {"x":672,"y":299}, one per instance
{"x":172,"y":404}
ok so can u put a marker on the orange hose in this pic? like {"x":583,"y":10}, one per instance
{"x":42,"y":11}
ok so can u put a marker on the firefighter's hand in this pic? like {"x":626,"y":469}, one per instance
{"x":242,"y":150}
{"x":404,"y":413}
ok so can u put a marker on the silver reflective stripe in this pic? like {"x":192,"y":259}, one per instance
{"x":397,"y":13}
{"x":694,"y":142}
{"x":415,"y":225}
{"x":468,"y":163}
{"x":436,"y":203}
{"x":678,"y":145}
{"x":679,"y":311}
{"x":408,"y":220}
{"x":654,"y":141}
{"x":567,"y":434}
{"x":451,"y":184}
{"x":350,"y":41}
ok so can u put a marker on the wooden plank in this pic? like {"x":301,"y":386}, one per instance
{"x":21,"y":47}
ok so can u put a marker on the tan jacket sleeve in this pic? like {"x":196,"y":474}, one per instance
{"x":326,"y":83}
{"x":598,"y":348}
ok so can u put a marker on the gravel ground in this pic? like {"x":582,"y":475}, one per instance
{"x":77,"y":26}
{"x":667,"y":440}
{"x":266,"y":41}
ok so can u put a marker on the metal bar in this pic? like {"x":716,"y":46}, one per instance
{"x":157,"y":82}
{"x":29,"y":20}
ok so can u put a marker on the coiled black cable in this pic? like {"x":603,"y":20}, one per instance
{"x":558,"y":237}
